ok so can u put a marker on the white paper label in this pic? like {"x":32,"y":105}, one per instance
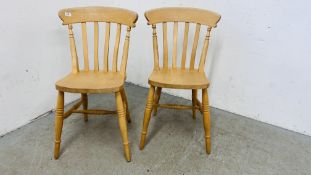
{"x":67,"y":14}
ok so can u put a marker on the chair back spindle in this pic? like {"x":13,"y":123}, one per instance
{"x":96,"y":15}
{"x":174,"y":57}
{"x":116,"y":48}
{"x":96,"y":66}
{"x":165,"y":47}
{"x":85,"y":47}
{"x":185,"y":43}
{"x":195,"y":45}
{"x":106,"y":47}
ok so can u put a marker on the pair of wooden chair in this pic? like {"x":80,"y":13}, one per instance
{"x":110,"y":79}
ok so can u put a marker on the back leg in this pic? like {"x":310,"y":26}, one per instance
{"x":85,"y":105}
{"x":125,"y":104}
{"x":156,"y":100}
{"x":194,"y":98}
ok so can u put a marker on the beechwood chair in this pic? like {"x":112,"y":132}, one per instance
{"x":179,"y":77}
{"x":109,"y":79}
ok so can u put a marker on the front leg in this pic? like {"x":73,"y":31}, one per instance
{"x":123,"y":125}
{"x":206,"y":120}
{"x":58,"y":123}
{"x":147,"y":117}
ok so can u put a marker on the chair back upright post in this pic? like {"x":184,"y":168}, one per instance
{"x":97,"y":15}
{"x":187,"y":16}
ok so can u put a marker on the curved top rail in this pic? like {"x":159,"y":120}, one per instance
{"x":98,"y":14}
{"x":182,"y":14}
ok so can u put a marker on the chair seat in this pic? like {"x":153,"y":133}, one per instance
{"x":91,"y":82}
{"x":179,"y":79}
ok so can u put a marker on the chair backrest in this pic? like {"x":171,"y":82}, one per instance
{"x":98,"y":15}
{"x":186,"y":15}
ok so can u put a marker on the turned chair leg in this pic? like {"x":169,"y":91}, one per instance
{"x":206,"y":120}
{"x":194,"y":98}
{"x":156,"y":100}
{"x":125,"y":104}
{"x":148,"y":111}
{"x":58,"y":123}
{"x":123,"y":125}
{"x":85,"y":105}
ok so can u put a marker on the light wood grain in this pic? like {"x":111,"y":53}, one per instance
{"x":198,"y":103}
{"x":106,"y":49}
{"x":182,"y":77}
{"x":175,"y":36}
{"x":96,"y":66}
{"x":155,"y":48}
{"x":73,"y":51}
{"x":85,"y":47}
{"x":195,"y":45}
{"x":126,"y":106}
{"x":165,"y":46}
{"x":116,"y":48}
{"x":123,"y":125}
{"x":178,"y":79}
{"x":182,"y":14}
{"x":85,"y":105}
{"x":70,"y":110}
{"x":58,"y":123}
{"x":194,"y":98}
{"x":99,"y":14}
{"x":206,"y":121}
{"x":147,"y":116}
{"x":185,"y":43}
{"x":91,"y":82}
{"x":95,"y":112}
{"x":204,"y":51}
{"x":174,"y":106}
{"x":156,"y":100}
{"x":125,"y":52}
{"x":98,"y":80}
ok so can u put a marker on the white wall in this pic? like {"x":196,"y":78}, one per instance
{"x":259,"y":59}
{"x":258,"y":62}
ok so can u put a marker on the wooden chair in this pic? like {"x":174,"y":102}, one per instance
{"x":108,"y":80}
{"x":179,"y":77}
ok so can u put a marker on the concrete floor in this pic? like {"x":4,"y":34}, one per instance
{"x":175,"y":144}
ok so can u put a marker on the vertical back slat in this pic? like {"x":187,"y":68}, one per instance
{"x":125,"y":51}
{"x":175,"y":44}
{"x":204,"y":51}
{"x":165,"y":47}
{"x":195,"y":45}
{"x":116,"y":48}
{"x":73,"y":51}
{"x":96,"y":67}
{"x":185,"y":43}
{"x":155,"y":48}
{"x":85,"y":47}
{"x":106,"y":47}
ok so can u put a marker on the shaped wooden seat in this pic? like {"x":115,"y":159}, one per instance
{"x":106,"y":79}
{"x":91,"y":82}
{"x":179,"y":77}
